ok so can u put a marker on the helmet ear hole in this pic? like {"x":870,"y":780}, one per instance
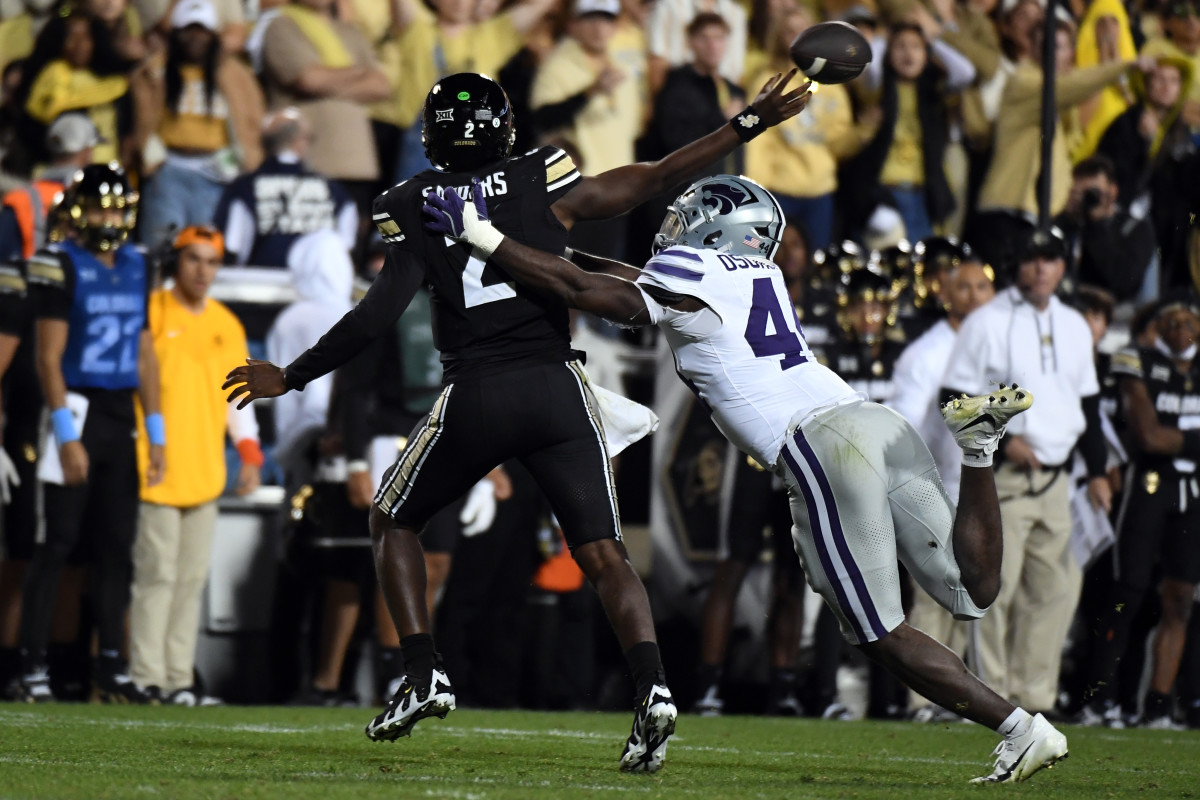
{"x":712,"y":238}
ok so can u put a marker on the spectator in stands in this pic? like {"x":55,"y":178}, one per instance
{"x":696,"y":99}
{"x":1156,"y":530}
{"x":74,"y":68}
{"x":1181,"y":39}
{"x":1107,"y":247}
{"x":199,"y":124}
{"x":14,"y":163}
{"x":1026,"y":335}
{"x":1008,"y":197}
{"x":903,"y":165}
{"x":24,"y":220}
{"x":1151,"y":136}
{"x":93,"y":355}
{"x":262,"y":214}
{"x":177,"y":518}
{"x":1104,"y":37}
{"x":423,"y":47}
{"x":604,"y":129}
{"x":122,"y":26}
{"x":797,"y":161}
{"x":667,"y":27}
{"x":18,"y":32}
{"x":231,"y":20}
{"x":325,"y":68}
{"x":916,"y":383}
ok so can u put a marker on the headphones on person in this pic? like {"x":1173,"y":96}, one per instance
{"x":193,"y":234}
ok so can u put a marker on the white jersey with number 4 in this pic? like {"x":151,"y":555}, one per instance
{"x":745,"y":355}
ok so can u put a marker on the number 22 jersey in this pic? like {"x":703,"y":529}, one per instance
{"x":745,"y":355}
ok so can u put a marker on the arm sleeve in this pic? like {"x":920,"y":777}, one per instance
{"x":1092,"y":445}
{"x":242,"y":423}
{"x":358,"y":381}
{"x":52,"y":285}
{"x":15,"y":305}
{"x":552,"y":116}
{"x":387,"y":298}
{"x":960,"y":72}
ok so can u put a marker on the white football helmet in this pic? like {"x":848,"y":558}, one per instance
{"x":728,"y":213}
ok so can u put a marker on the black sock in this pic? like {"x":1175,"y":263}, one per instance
{"x":645,"y":663}
{"x":391,"y":663}
{"x":419,"y":654}
{"x":707,"y":676}
{"x":32,"y":661}
{"x":10,"y":665}
{"x":783,"y":680}
{"x":1157,"y":705}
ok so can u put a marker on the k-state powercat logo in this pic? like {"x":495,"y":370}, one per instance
{"x":724,"y":197}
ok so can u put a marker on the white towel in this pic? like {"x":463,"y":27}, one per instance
{"x":625,"y":421}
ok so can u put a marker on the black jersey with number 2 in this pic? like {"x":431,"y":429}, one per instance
{"x":482,"y":319}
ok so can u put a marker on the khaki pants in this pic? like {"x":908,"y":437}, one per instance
{"x":170,"y":566}
{"x":930,"y":618}
{"x":1018,"y":643}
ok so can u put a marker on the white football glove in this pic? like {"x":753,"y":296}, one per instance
{"x":479,"y":512}
{"x":9,"y":479}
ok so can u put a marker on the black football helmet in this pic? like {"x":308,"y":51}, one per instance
{"x":467,"y":122}
{"x":100,"y":186}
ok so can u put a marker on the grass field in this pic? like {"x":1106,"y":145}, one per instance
{"x":88,"y":751}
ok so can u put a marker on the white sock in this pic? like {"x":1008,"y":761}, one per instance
{"x":1016,"y":724}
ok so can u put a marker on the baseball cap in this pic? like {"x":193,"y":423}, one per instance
{"x":194,"y":12}
{"x":1044,"y":242}
{"x":610,"y":7}
{"x":72,"y":133}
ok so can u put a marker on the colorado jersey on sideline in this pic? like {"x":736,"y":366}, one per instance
{"x":481,"y":319}
{"x":745,"y":355}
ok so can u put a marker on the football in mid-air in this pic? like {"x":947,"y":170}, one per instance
{"x":831,"y":52}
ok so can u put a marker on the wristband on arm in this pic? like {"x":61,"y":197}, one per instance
{"x":748,"y":124}
{"x":156,"y":429}
{"x":64,"y":426}
{"x":250,"y":452}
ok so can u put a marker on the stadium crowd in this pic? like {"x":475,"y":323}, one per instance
{"x":257,"y":133}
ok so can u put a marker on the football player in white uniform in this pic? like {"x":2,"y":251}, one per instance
{"x":864,"y":489}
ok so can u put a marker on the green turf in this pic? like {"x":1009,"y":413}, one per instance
{"x":88,"y":751}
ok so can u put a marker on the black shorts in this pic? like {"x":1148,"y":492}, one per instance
{"x":97,"y":521}
{"x":1156,"y":530}
{"x":542,"y":415}
{"x":20,"y":517}
{"x":332,"y":540}
{"x":757,"y":514}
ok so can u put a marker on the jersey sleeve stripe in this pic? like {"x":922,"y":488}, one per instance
{"x":568,"y":180}
{"x":674,"y":270}
{"x":555,"y":155}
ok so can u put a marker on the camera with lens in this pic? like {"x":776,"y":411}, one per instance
{"x":1092,"y":198}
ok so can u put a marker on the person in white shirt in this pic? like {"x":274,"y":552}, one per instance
{"x":863,"y":487}
{"x":1027,"y":334}
{"x":915,"y":384}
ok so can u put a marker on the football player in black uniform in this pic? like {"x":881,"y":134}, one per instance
{"x":513,"y":388}
{"x":1160,"y":513}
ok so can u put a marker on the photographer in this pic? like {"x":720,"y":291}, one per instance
{"x":1106,"y":246}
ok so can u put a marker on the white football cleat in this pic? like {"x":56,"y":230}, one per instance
{"x":978,"y":422}
{"x":1018,"y":757}
{"x":411,"y":704}
{"x":653,"y":724}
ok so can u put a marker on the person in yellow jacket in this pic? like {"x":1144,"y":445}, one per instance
{"x":1008,"y":197}
{"x":1181,"y":40}
{"x":64,"y":74}
{"x":1104,"y":37}
{"x":797,"y":160}
{"x":194,"y":336}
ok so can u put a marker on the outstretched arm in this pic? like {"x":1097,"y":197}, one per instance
{"x":387,"y":298}
{"x":620,"y":190}
{"x":606,"y":296}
